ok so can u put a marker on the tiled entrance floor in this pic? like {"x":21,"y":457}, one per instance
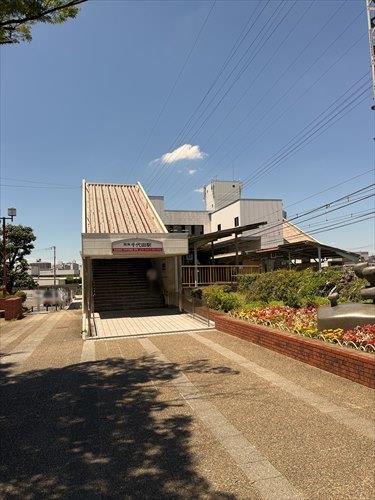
{"x":144,"y":322}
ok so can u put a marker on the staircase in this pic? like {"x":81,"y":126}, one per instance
{"x":122,"y":284}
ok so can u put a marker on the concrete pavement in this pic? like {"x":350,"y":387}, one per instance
{"x":193,"y":415}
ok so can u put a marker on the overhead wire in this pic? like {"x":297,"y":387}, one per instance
{"x":173,"y":88}
{"x":294,"y":145}
{"x":261,"y":44}
{"x":158,"y":174}
{"x":343,"y":202}
{"x":275,"y":120}
{"x":35,"y":182}
{"x":331,"y":228}
{"x":225,"y":64}
{"x":271,"y":28}
{"x":40,"y":187}
{"x":333,"y":105}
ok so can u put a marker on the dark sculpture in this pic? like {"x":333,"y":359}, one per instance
{"x":348,"y":316}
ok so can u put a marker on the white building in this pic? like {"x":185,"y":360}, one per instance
{"x":226,"y":209}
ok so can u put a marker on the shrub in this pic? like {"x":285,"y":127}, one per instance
{"x":279,"y":285}
{"x":22,"y":295}
{"x":216,"y":297}
{"x":301,"y":288}
{"x":245,"y":280}
{"x":231,"y":301}
{"x":313,"y":300}
{"x":212,"y":296}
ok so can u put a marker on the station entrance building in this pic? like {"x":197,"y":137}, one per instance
{"x":130,"y":261}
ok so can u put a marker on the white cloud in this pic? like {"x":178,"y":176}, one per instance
{"x":192,"y":171}
{"x":184,"y":152}
{"x":198,"y":190}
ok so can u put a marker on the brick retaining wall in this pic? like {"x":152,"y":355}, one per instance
{"x":354,"y":365}
{"x":12,"y":307}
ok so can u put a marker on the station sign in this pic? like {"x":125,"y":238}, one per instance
{"x":136,"y":245}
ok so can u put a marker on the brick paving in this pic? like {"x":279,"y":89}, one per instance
{"x":200,"y":415}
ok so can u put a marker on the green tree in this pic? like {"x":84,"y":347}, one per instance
{"x":18,"y":16}
{"x":19,"y":244}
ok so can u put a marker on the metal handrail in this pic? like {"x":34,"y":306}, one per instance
{"x":208,"y":275}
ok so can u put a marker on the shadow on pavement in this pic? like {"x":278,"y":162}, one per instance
{"x":98,"y":430}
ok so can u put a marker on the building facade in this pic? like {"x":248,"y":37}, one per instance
{"x":226,"y":209}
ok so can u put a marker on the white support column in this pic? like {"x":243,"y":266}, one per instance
{"x":319,"y":258}
{"x":195,"y":266}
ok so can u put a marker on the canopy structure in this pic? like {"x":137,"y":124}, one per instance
{"x":203,"y":239}
{"x":307,"y":250}
{"x":229,"y":245}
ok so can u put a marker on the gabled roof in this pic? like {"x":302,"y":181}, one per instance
{"x":118,"y":208}
{"x":293,"y":234}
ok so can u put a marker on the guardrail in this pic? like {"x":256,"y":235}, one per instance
{"x":195,"y":306}
{"x":210,"y":275}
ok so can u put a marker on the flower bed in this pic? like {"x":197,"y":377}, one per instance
{"x":303,"y":321}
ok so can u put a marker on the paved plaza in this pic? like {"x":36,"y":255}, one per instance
{"x":199,"y":414}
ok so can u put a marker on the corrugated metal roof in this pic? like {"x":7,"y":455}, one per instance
{"x":119,"y":208}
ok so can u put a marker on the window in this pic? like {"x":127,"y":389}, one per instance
{"x":236,"y":221}
{"x":219,"y":227}
{"x":197,"y":230}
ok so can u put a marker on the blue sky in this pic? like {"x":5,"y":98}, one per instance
{"x":81,"y":99}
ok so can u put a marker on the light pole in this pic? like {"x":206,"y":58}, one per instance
{"x":12,"y":212}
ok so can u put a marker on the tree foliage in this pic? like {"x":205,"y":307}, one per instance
{"x":18,"y":16}
{"x":19,"y":244}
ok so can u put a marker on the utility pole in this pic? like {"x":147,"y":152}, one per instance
{"x":54,"y":265}
{"x":12,"y":212}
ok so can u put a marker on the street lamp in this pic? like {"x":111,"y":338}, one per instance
{"x":12,"y":212}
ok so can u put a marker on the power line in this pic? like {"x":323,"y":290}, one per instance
{"x":288,"y":108}
{"x":333,"y":105}
{"x":310,"y":228}
{"x":286,"y":71}
{"x":281,"y":156}
{"x":36,"y":182}
{"x":259,"y":47}
{"x":290,"y":148}
{"x":40,"y":187}
{"x":319,"y":226}
{"x":271,"y":28}
{"x":158,"y":174}
{"x":274,"y":121}
{"x":345,"y":202}
{"x":326,"y":229}
{"x":229,"y":58}
{"x":187,"y":59}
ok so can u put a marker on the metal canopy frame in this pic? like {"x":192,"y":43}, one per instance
{"x":202,"y":240}
{"x":308,"y":249}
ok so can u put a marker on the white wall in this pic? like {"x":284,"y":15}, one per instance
{"x":251,"y":211}
{"x":226,"y":216}
{"x":269,"y":211}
